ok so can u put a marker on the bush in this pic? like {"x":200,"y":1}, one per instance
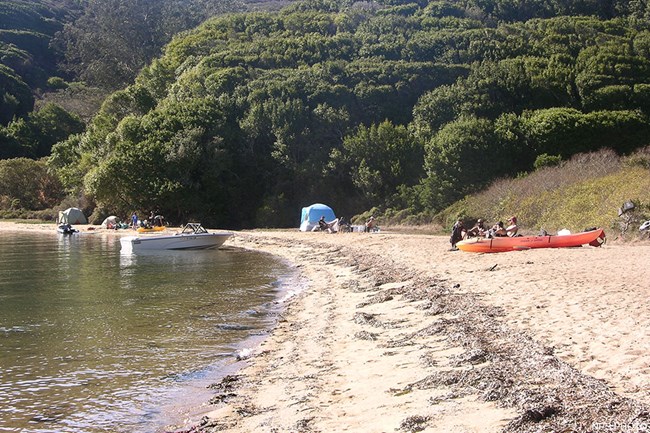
{"x":546,"y":160}
{"x":56,"y":83}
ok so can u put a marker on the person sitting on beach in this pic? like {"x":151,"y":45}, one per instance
{"x":498,"y":230}
{"x":477,"y":230}
{"x":159,"y":220}
{"x":343,"y":225}
{"x":512,"y":229}
{"x":329,"y":227}
{"x":322,"y":223}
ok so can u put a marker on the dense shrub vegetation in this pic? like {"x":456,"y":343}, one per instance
{"x":105,"y":43}
{"x":400,"y":106}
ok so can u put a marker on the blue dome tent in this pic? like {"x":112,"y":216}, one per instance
{"x":311,"y":215}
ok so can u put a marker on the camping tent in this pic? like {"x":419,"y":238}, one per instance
{"x":311,"y":215}
{"x":110,"y":222}
{"x":72,"y":216}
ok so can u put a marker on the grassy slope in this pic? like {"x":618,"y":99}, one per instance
{"x":586,"y":191}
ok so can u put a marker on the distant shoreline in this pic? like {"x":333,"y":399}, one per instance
{"x":45,"y":227}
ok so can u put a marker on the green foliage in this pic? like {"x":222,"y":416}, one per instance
{"x":57,"y":83}
{"x":69,"y":163}
{"x":379,"y":159}
{"x":34,"y":136}
{"x":570,"y":131}
{"x":467,"y":154}
{"x":546,"y":160}
{"x":400,"y":105}
{"x":16,"y":99}
{"x":27,"y":184}
{"x":605,"y":74}
{"x":112,"y":40}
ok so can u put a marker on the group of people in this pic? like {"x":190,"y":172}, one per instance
{"x":341,"y":225}
{"x":459,"y":232}
{"x":154,"y":220}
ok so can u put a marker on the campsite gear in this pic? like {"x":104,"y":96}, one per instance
{"x":110,"y":222}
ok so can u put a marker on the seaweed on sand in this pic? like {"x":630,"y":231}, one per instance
{"x":507,"y":366}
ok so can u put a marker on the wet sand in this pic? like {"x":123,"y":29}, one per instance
{"x":395,"y":332}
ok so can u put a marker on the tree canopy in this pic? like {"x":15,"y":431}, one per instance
{"x":26,"y":58}
{"x":112,"y":40}
{"x":251,"y":116}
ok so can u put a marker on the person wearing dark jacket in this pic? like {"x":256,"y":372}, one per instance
{"x":457,"y":233}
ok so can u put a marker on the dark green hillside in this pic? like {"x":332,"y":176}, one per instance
{"x":249,"y":117}
{"x":29,"y":15}
{"x":26,"y":59}
{"x":17,"y":99}
{"x":112,"y":40}
{"x":68,"y":52}
{"x":408,"y":106}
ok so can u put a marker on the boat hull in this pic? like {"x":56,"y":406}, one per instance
{"x":518,"y":243}
{"x":201,"y":241}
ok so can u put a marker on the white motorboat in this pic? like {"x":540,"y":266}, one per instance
{"x":193,"y":237}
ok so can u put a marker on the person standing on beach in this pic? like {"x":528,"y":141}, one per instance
{"x":134,"y":221}
{"x":370,"y":224}
{"x":457,"y":233}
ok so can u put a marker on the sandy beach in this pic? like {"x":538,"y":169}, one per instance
{"x":398,"y":333}
{"x":395,"y":332}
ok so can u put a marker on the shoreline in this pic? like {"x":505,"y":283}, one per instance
{"x":394,"y":332}
{"x":397,"y":333}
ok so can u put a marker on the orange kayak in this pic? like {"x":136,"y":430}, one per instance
{"x":502,"y":244}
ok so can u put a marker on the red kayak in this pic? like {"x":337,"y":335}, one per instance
{"x":501,"y":244}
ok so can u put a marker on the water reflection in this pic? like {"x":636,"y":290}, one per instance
{"x":93,"y":340}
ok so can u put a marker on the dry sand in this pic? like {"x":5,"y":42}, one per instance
{"x":395,"y":332}
{"x":398,"y":333}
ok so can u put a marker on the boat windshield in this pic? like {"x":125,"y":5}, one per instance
{"x":195,"y":228}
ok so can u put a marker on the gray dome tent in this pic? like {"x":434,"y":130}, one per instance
{"x":72,"y":215}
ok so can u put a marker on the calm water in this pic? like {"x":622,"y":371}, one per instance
{"x":93,"y":340}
